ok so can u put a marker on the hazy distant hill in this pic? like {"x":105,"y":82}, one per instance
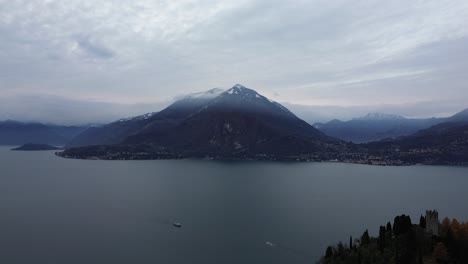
{"x":18,"y":133}
{"x":459,"y":117}
{"x":445,"y":143}
{"x":377,"y":126}
{"x":238,"y":122}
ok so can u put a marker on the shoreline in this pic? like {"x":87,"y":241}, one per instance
{"x":166,"y":156}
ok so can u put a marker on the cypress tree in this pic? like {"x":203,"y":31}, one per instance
{"x":329,"y":252}
{"x":365,"y":239}
{"x":381,"y":240}
{"x":396,"y":226}
{"x":422,"y":222}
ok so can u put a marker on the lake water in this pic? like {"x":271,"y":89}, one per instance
{"x":55,"y":210}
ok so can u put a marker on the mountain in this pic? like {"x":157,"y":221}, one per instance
{"x":445,"y":143}
{"x":458,"y":117}
{"x":236,"y":123}
{"x":242,"y":122}
{"x":17,"y":133}
{"x":116,"y":132}
{"x":374,"y":127}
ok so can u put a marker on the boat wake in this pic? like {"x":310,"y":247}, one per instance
{"x":289,"y":250}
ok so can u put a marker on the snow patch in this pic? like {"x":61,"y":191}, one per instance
{"x":233,"y":91}
{"x":141,"y":117}
{"x":148,"y":115}
{"x":269,"y":244}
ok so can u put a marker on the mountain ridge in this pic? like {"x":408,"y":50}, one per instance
{"x":379,"y":126}
{"x":115,"y":132}
{"x":17,"y":133}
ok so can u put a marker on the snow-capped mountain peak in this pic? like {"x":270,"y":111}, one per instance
{"x":243,"y":98}
{"x":243,"y":92}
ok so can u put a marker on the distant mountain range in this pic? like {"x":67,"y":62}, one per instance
{"x":233,"y":123}
{"x":18,"y":133}
{"x":445,"y":143}
{"x":378,"y":126}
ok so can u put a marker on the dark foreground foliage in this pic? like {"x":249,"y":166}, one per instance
{"x":404,"y":243}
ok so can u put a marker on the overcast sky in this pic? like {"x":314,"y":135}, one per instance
{"x":96,"y":60}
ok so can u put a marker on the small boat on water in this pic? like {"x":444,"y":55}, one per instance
{"x":270,"y":244}
{"x":177,"y":224}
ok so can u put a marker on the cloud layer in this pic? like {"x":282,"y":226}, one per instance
{"x":348,"y":53}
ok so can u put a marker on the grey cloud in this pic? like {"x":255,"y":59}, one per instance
{"x":93,"y":49}
{"x":315,"y":52}
{"x":58,"y":110}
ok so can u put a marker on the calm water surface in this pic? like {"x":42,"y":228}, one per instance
{"x":54,"y":210}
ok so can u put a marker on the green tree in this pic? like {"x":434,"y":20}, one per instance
{"x":365,"y":239}
{"x":422,"y":221}
{"x":401,"y":225}
{"x":341,"y":250}
{"x":389,"y":228}
{"x":397,"y":226}
{"x":329,"y":253}
{"x":381,"y":240}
